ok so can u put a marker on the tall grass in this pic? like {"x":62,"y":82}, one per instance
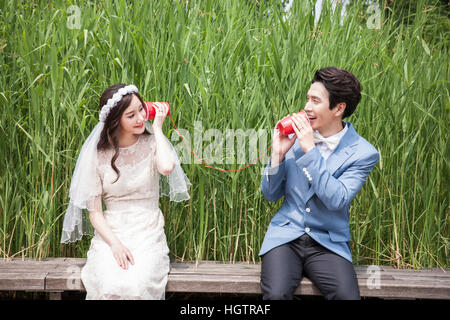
{"x":230,"y":65}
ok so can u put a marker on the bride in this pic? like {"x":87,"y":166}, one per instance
{"x":129,"y":165}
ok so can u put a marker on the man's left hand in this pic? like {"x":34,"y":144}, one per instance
{"x":304,"y":132}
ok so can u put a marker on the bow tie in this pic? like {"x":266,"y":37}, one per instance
{"x":332,"y":142}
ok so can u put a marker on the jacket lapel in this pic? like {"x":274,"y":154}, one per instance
{"x":342,"y":152}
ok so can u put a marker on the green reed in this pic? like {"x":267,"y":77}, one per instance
{"x":230,"y":65}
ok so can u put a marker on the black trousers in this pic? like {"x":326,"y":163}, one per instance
{"x":284,"y":266}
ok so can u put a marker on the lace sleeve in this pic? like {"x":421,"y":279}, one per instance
{"x":176,"y":184}
{"x":95,"y":203}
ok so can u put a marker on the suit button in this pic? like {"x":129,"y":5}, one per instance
{"x":307,"y":229}
{"x":308,"y":210}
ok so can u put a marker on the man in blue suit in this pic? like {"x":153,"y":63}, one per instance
{"x":319,"y":170}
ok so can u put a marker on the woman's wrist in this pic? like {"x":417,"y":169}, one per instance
{"x":157,"y":130}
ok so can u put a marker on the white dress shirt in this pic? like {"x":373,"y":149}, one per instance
{"x":324,"y":150}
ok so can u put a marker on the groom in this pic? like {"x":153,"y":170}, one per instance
{"x":319,"y":170}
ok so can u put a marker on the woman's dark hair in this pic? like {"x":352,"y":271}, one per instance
{"x":342,"y":86}
{"x":109,"y":135}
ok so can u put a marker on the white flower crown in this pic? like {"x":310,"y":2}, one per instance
{"x":112,"y":102}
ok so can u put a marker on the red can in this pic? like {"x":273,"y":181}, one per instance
{"x":285,"y":124}
{"x":151,"y":112}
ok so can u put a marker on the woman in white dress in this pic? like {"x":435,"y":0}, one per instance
{"x":124,"y":162}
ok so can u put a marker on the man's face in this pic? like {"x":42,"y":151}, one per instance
{"x":318,"y":107}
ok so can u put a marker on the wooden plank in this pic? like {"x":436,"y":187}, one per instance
{"x":189,"y":273}
{"x":247,"y":284}
{"x":241,"y":267}
{"x":382,"y":275}
{"x":22,"y":281}
{"x":390,"y":268}
{"x":431,"y":272}
{"x":55,"y":296}
{"x":47,"y":261}
{"x":64,"y":281}
{"x":213,"y":283}
{"x":210,"y":266}
{"x":235,"y":270}
{"x":429,"y":287}
{"x":214,"y":264}
{"x":202,"y":283}
{"x":223,"y":271}
{"x":226,"y":284}
{"x":25,"y":269}
{"x":75,"y":260}
{"x":32,"y":261}
{"x":436,"y":281}
{"x":52,"y":264}
{"x":396,"y":289}
{"x":46,"y":264}
{"x":60,"y":274}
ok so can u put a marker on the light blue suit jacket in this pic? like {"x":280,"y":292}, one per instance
{"x":317,"y":193}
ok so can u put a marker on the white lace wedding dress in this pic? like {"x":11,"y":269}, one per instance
{"x":134,"y":216}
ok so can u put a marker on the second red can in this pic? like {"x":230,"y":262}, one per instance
{"x":285,"y":124}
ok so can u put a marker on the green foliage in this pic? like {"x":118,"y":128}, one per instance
{"x":407,"y":12}
{"x":230,"y":65}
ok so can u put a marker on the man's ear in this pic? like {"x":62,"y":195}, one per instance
{"x":339,"y":109}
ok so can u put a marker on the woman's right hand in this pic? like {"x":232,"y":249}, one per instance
{"x":280,"y":145}
{"x":122,"y":255}
{"x":162,"y":110}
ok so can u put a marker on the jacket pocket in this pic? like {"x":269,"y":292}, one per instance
{"x":280,"y":221}
{"x":340,"y":236}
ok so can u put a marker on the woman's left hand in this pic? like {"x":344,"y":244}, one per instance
{"x":161,"y":114}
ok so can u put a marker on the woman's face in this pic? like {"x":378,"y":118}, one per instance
{"x":133,"y":118}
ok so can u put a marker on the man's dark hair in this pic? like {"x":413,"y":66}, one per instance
{"x":342,"y":86}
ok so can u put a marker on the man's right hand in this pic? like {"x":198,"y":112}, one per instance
{"x":280,"y":146}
